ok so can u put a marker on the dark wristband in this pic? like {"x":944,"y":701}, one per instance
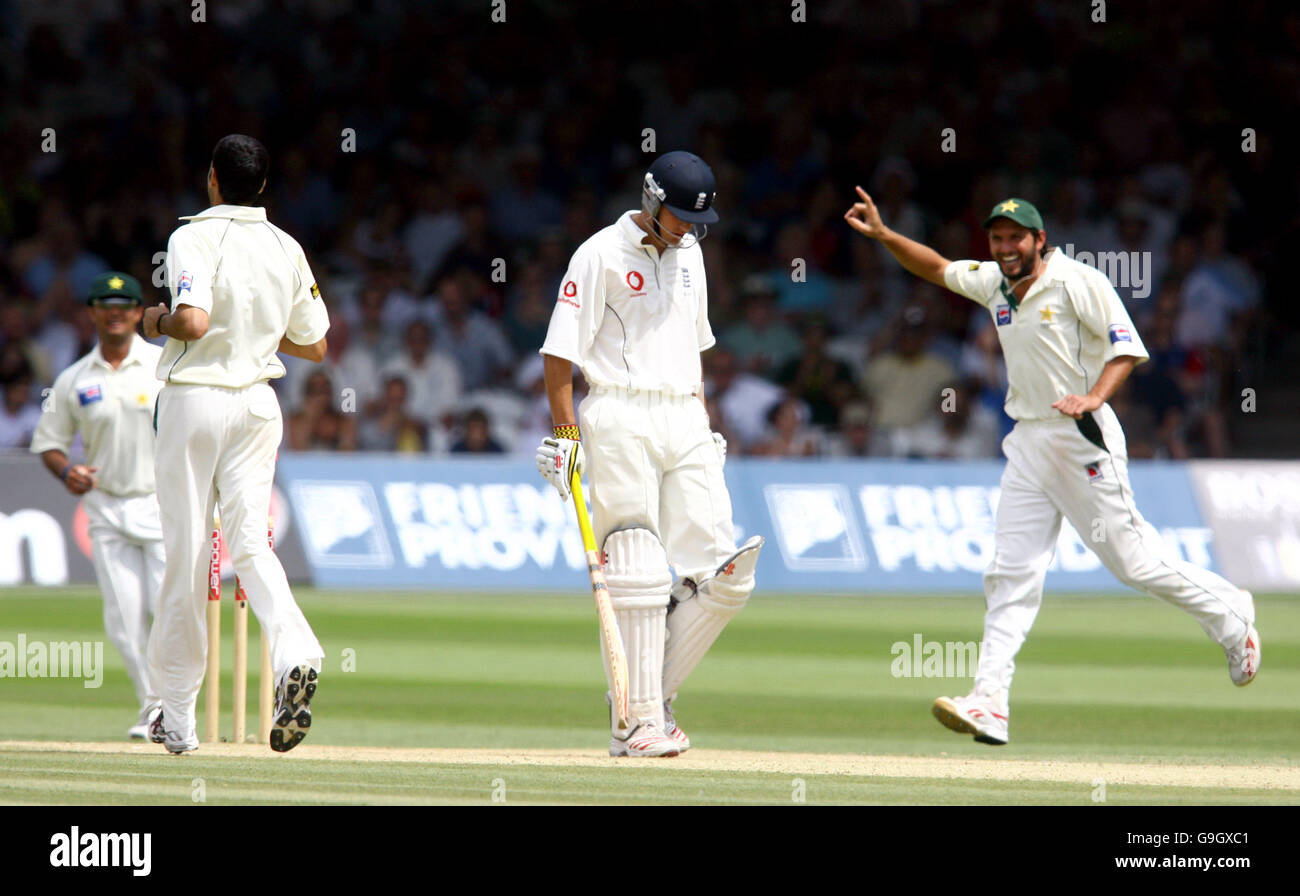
{"x":165,"y":314}
{"x":66,"y":471}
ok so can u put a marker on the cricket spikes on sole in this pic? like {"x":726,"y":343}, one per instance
{"x":1243,"y":660}
{"x":645,"y":741}
{"x":293,"y":708}
{"x":673,"y":730}
{"x":975,"y":714}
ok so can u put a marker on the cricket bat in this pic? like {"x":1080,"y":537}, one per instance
{"x":611,"y":638}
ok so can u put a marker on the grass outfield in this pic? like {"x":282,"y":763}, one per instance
{"x":1121,"y":683}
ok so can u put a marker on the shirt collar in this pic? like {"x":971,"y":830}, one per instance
{"x":1053,"y":272}
{"x":254,"y":213}
{"x":633,"y":233}
{"x":132,"y":354}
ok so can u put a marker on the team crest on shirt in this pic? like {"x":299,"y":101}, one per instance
{"x":185,"y":282}
{"x":1094,"y":472}
{"x":1119,"y":333}
{"x":1004,"y":314}
{"x":90,"y":394}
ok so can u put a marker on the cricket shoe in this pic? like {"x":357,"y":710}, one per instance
{"x":645,"y":741}
{"x":979,"y":714}
{"x":140,"y":730}
{"x":293,"y":707}
{"x":674,"y":731}
{"x":159,"y":734}
{"x":1243,"y":660}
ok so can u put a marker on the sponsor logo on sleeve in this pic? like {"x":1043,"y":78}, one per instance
{"x":1003,"y":314}
{"x":90,"y":394}
{"x":1120,"y":333}
{"x":185,"y":282}
{"x":569,"y":293}
{"x":1094,"y":472}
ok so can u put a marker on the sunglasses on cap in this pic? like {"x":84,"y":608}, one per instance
{"x":109,"y":302}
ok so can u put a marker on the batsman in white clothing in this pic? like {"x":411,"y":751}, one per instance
{"x":108,"y":397}
{"x":632,"y":314}
{"x":1069,"y":344}
{"x":241,"y":291}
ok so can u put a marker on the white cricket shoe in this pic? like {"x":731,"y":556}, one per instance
{"x":646,"y":740}
{"x":1243,"y":660}
{"x":140,"y":730}
{"x":175,"y":743}
{"x":979,"y":714}
{"x":672,"y":729}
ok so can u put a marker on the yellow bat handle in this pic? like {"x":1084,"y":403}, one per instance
{"x":611,"y":637}
{"x":584,"y":521}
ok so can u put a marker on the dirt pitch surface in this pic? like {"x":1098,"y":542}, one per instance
{"x":1263,"y":777}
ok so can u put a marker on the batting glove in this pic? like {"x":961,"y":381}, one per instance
{"x":722,"y":446}
{"x":557,"y":460}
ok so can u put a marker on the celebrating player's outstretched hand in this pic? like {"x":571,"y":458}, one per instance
{"x":557,"y":460}
{"x":864,"y":217}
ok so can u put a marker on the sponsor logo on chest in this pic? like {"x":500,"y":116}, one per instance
{"x":636,"y":280}
{"x":1003,"y":314}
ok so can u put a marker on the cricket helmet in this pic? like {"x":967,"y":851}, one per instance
{"x":684,"y":184}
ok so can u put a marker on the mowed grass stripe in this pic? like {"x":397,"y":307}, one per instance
{"x":341,"y":783}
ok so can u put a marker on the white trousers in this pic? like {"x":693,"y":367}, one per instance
{"x":127,"y":553}
{"x":651,"y":462}
{"x":1053,"y":472}
{"x":217,"y":447}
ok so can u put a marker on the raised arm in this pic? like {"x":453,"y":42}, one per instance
{"x":917,"y":258}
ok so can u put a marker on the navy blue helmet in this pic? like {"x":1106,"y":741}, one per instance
{"x":684,"y":183}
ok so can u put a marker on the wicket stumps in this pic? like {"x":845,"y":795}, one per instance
{"x":212,"y":680}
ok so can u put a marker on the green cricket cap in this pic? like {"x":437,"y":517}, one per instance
{"x":1018,"y":210}
{"x":115,"y":285}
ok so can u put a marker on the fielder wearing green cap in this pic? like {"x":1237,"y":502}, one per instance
{"x":115,"y":289}
{"x":107,"y":398}
{"x":1069,"y":344}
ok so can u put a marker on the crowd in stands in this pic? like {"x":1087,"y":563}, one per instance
{"x":439,"y":196}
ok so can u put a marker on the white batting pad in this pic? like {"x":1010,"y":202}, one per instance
{"x":636,"y":571}
{"x":696,"y":623}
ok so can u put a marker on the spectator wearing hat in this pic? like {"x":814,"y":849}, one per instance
{"x":905,"y":384}
{"x":762,"y":341}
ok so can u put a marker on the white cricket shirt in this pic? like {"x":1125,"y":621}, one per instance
{"x":113,"y":410}
{"x":253,"y":281}
{"x":630,"y":317}
{"x":1070,"y":324}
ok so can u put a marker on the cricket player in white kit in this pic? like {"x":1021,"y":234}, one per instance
{"x":1069,"y":344}
{"x":632,"y":314}
{"x":241,"y":291}
{"x":108,"y":396}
